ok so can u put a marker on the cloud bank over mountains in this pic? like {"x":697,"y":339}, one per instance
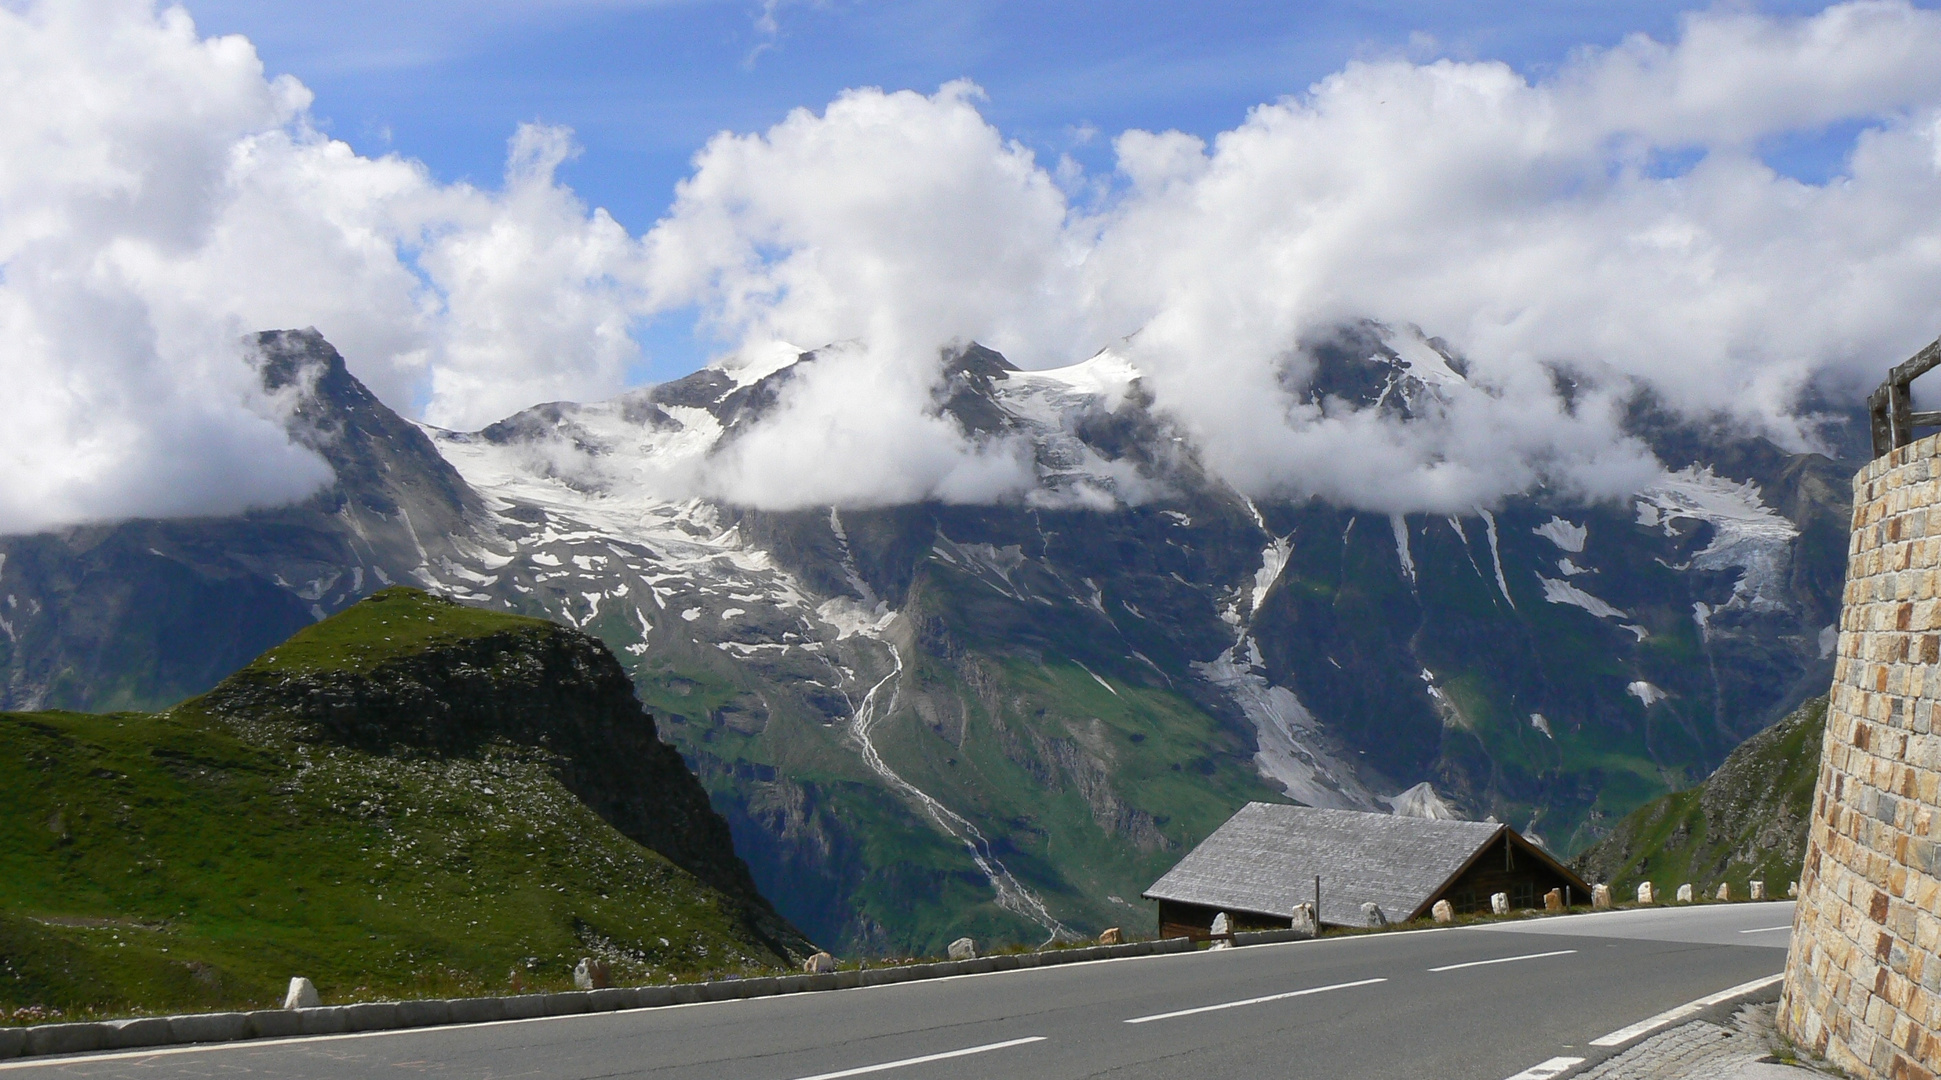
{"x":1613,"y":218}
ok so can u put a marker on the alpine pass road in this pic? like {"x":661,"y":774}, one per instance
{"x":1469,"y":1003}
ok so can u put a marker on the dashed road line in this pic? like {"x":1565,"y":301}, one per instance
{"x":887,"y":1065}
{"x":1254,"y":1001}
{"x":1504,"y":960}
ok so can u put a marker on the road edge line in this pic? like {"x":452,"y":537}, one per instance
{"x":1602,"y":1050}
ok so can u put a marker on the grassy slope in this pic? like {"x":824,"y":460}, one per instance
{"x":388,"y":624}
{"x":176,"y":860}
{"x":1747,"y":821}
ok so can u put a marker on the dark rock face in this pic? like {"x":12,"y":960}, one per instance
{"x":380,"y":459}
{"x":542,"y":686}
{"x":141,"y":614}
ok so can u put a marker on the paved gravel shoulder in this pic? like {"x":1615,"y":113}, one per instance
{"x":1742,"y":1049}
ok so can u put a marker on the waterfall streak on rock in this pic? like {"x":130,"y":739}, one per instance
{"x":1012,"y":895}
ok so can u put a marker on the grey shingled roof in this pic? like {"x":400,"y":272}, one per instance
{"x":1265,"y":857}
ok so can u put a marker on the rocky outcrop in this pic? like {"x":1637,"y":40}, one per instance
{"x":513,"y":680}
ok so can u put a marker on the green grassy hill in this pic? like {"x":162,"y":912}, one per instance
{"x":312,"y":816}
{"x":1746,"y":822}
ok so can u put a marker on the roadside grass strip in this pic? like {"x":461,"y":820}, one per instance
{"x":1544,"y":1070}
{"x":1503,"y":960}
{"x":1691,"y":1008}
{"x":887,"y":1065}
{"x":1254,"y":1001}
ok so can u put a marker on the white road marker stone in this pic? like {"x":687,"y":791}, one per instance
{"x":302,"y":995}
{"x":1304,"y":920}
{"x":1254,"y":1001}
{"x":1544,"y":1070}
{"x":965,"y":1052}
{"x":1499,"y":903}
{"x":1503,"y":960}
{"x":1691,"y":1008}
{"x":1647,"y":893}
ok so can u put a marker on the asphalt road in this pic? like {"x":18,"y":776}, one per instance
{"x":1473,"y":1003}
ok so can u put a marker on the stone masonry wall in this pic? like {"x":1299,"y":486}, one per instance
{"x":1863,"y":979}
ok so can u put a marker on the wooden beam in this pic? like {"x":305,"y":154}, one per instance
{"x":1891,"y":407}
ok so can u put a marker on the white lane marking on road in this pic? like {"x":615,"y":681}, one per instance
{"x":1254,"y":1001}
{"x":1504,"y":960}
{"x":965,"y":1052}
{"x":1669,"y":1016}
{"x":1544,"y":1070}
{"x":1767,"y":929}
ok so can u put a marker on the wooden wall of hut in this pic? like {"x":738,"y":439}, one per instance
{"x":1503,"y":868}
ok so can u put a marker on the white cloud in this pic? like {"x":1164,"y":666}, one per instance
{"x":160,"y":197}
{"x":857,"y":429}
{"x":895,"y":219}
{"x":1529,"y":223}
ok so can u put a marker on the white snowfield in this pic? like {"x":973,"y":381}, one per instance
{"x":1747,"y":535}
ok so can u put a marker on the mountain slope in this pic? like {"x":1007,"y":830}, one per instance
{"x":1747,"y":821}
{"x":308,"y":816}
{"x":140,"y":614}
{"x":928,"y":720}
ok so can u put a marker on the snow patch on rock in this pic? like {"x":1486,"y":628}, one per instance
{"x":1496,"y":557}
{"x":1747,"y":535}
{"x":1646,"y":693}
{"x":1566,"y":535}
{"x":1402,"y":554}
{"x":1563,"y":592}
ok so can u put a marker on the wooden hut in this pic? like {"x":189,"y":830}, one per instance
{"x":1265,"y":860}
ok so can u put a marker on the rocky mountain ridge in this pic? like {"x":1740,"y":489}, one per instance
{"x":1005,"y":720}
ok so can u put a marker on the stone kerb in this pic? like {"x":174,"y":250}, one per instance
{"x":1863,"y":978}
{"x":92,"y":1036}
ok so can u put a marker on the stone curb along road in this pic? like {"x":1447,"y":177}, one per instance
{"x":157,"y":1031}
{"x":1716,"y":1008}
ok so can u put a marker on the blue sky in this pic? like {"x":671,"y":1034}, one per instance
{"x":643,"y":85}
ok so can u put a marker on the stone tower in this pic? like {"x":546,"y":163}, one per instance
{"x":1863,"y":979}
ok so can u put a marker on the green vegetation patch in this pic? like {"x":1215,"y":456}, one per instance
{"x":162,"y":862}
{"x":1746,"y":822}
{"x":388,"y":624}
